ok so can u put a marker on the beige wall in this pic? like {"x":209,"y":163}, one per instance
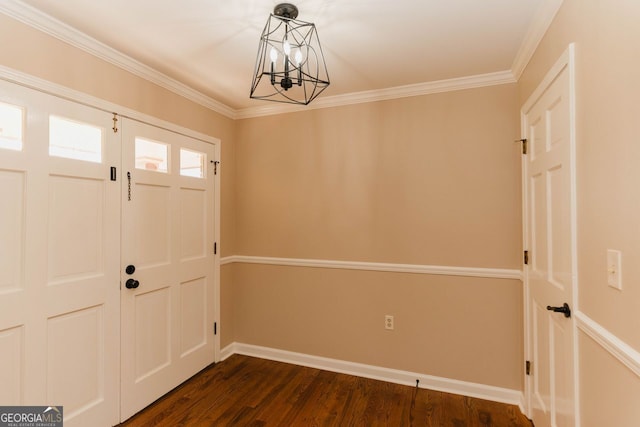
{"x":606,"y":34}
{"x":51,"y":59}
{"x":431,"y":180}
{"x":423,"y":180}
{"x":609,"y":393}
{"x":463,"y":328}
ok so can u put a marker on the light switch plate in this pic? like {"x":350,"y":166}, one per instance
{"x":614,"y":269}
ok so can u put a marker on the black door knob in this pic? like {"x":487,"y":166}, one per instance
{"x":130,"y":269}
{"x":132,"y":284}
{"x":564,"y":309}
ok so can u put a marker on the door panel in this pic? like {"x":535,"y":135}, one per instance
{"x":550,"y":275}
{"x":59,"y":258}
{"x":152,"y":225}
{"x":12,"y":214}
{"x":541,"y":383}
{"x":193,"y":310}
{"x":77,"y":255}
{"x":168,"y":234}
{"x":193,"y":217}
{"x":153,"y":332}
{"x":81,"y":330}
{"x":12,"y":369}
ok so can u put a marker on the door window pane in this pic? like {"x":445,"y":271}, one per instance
{"x":192,"y":163}
{"x":11,"y":127}
{"x":74,"y":140}
{"x":152,"y":156}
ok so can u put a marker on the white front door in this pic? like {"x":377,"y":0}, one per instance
{"x":168,"y":248}
{"x":59,"y":257}
{"x":549,"y":181}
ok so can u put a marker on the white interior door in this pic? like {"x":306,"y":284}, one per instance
{"x":550,"y":236}
{"x":59,"y":257}
{"x":168,"y":237}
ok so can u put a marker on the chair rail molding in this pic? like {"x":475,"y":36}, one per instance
{"x":493,"y":273}
{"x":623,"y":352}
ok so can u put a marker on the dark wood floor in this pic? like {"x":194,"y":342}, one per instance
{"x":246,"y":391}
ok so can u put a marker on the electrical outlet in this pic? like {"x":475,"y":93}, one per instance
{"x":388,"y":322}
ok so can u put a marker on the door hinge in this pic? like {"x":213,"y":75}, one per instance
{"x":526,"y":257}
{"x":215,"y":166}
{"x":215,"y":248}
{"x":115,"y":123}
{"x":527,"y":367}
{"x":215,"y":328}
{"x":524,"y":144}
{"x":129,"y":186}
{"x":113,"y":173}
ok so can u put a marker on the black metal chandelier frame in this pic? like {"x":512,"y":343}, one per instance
{"x":290,"y":65}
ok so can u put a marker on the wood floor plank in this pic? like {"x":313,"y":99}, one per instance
{"x":428,"y":408}
{"x":252,"y":392}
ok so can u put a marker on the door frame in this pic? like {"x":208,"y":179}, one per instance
{"x":565,"y":61}
{"x":31,"y":82}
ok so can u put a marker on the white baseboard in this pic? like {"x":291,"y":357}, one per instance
{"x":480,"y":391}
{"x":522,"y":404}
{"x":227,"y":352}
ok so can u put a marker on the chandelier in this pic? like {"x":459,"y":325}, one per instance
{"x":290,"y":66}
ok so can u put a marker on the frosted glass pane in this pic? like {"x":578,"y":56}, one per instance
{"x":74,"y":140}
{"x":151,"y":155}
{"x":11,"y":127}
{"x":192,"y":163}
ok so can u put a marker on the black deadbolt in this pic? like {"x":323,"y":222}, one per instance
{"x":130,"y":269}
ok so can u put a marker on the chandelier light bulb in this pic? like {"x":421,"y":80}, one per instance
{"x":298,"y":57}
{"x":274,"y":54}
{"x":286,"y":47}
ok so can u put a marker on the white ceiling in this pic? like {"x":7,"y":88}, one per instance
{"x":369,"y":45}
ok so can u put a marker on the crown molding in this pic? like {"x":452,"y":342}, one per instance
{"x":55,"y":28}
{"x":481,"y":80}
{"x":33,"y":17}
{"x":45,"y":86}
{"x":537,"y":29}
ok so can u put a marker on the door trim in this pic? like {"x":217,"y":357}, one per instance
{"x":565,"y":61}
{"x":217,"y":255}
